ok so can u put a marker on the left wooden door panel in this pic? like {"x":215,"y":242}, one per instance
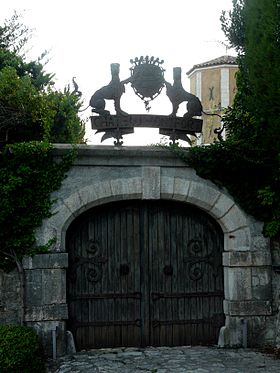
{"x":104,"y":287}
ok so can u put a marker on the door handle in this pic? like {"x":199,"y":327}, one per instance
{"x":124,"y":269}
{"x":168,"y":270}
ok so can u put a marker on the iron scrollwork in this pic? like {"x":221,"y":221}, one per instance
{"x":197,"y":258}
{"x":93,"y":263}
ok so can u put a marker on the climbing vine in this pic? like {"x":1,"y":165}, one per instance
{"x":28,"y":175}
{"x":250,"y":174}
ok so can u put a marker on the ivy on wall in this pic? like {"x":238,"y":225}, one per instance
{"x":28,"y":175}
{"x":250,"y":174}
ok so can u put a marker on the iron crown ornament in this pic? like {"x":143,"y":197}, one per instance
{"x":147,"y":78}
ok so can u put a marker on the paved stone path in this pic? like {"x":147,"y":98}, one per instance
{"x":165,"y":359}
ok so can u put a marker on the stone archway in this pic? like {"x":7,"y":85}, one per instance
{"x":103,"y":175}
{"x":209,"y":198}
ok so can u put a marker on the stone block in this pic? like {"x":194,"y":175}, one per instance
{"x":202,"y":195}
{"x":261,"y":283}
{"x":40,"y":261}
{"x":134,"y":187}
{"x":233,"y":333}
{"x":259,"y":242}
{"x":119,"y":187}
{"x":88,"y":194}
{"x":10,"y":300}
{"x":181,"y":189}
{"x":239,"y":240}
{"x":127,"y":188}
{"x":53,"y":286}
{"x":246,"y":259}
{"x":224,"y":337}
{"x":70,"y":343}
{"x":46,"y":232}
{"x":74,"y":203}
{"x":248,"y":308}
{"x":33,"y":287}
{"x":184,"y":172}
{"x":47,"y":312}
{"x":238,"y":283}
{"x":51,"y":228}
{"x":151,"y":182}
{"x":102,"y":190}
{"x":45,"y":286}
{"x":234,"y":219}
{"x":221,"y":206}
{"x":166,"y":187}
{"x":261,"y":331}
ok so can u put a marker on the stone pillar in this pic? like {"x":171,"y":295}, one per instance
{"x":46,"y":307}
{"x":248,"y":295}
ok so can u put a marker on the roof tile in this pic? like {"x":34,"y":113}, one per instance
{"x":223,"y":60}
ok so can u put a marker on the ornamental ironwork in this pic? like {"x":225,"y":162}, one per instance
{"x":147,"y":80}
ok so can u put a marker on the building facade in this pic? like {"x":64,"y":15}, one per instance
{"x":214,"y":83}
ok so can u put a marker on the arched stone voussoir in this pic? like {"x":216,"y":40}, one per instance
{"x":128,"y":188}
{"x":203,"y":195}
{"x":234,"y":219}
{"x":52,"y":227}
{"x":181,"y":189}
{"x":94,"y":192}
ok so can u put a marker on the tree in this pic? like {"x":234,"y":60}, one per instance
{"x":249,"y":159}
{"x":14,"y":35}
{"x":253,"y":28}
{"x":232,"y":23}
{"x":30,"y":107}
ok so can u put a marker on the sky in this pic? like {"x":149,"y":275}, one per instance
{"x":84,"y":37}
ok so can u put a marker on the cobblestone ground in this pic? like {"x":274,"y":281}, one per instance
{"x":164,"y":359}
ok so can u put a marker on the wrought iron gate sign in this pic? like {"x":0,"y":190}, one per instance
{"x":147,"y":81}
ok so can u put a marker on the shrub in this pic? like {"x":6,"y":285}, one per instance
{"x":20,"y":350}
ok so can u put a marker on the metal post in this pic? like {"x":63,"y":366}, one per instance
{"x":54,"y":335}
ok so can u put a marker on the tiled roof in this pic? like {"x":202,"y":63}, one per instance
{"x":223,"y":60}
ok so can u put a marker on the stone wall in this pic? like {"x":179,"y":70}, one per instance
{"x":46,"y":307}
{"x":275,"y":252}
{"x":104,"y":174}
{"x":10,"y":301}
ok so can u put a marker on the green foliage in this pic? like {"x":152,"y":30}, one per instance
{"x":262,"y":56}
{"x":20,"y":350}
{"x":32,"y":115}
{"x":233,"y":25}
{"x":28,"y":176}
{"x":14,"y":35}
{"x":30,"y":107}
{"x":26,"y":115}
{"x":243,"y":169}
{"x":247,"y":164}
{"x":66,"y":126}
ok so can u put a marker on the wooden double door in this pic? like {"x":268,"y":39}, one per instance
{"x":145,"y":273}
